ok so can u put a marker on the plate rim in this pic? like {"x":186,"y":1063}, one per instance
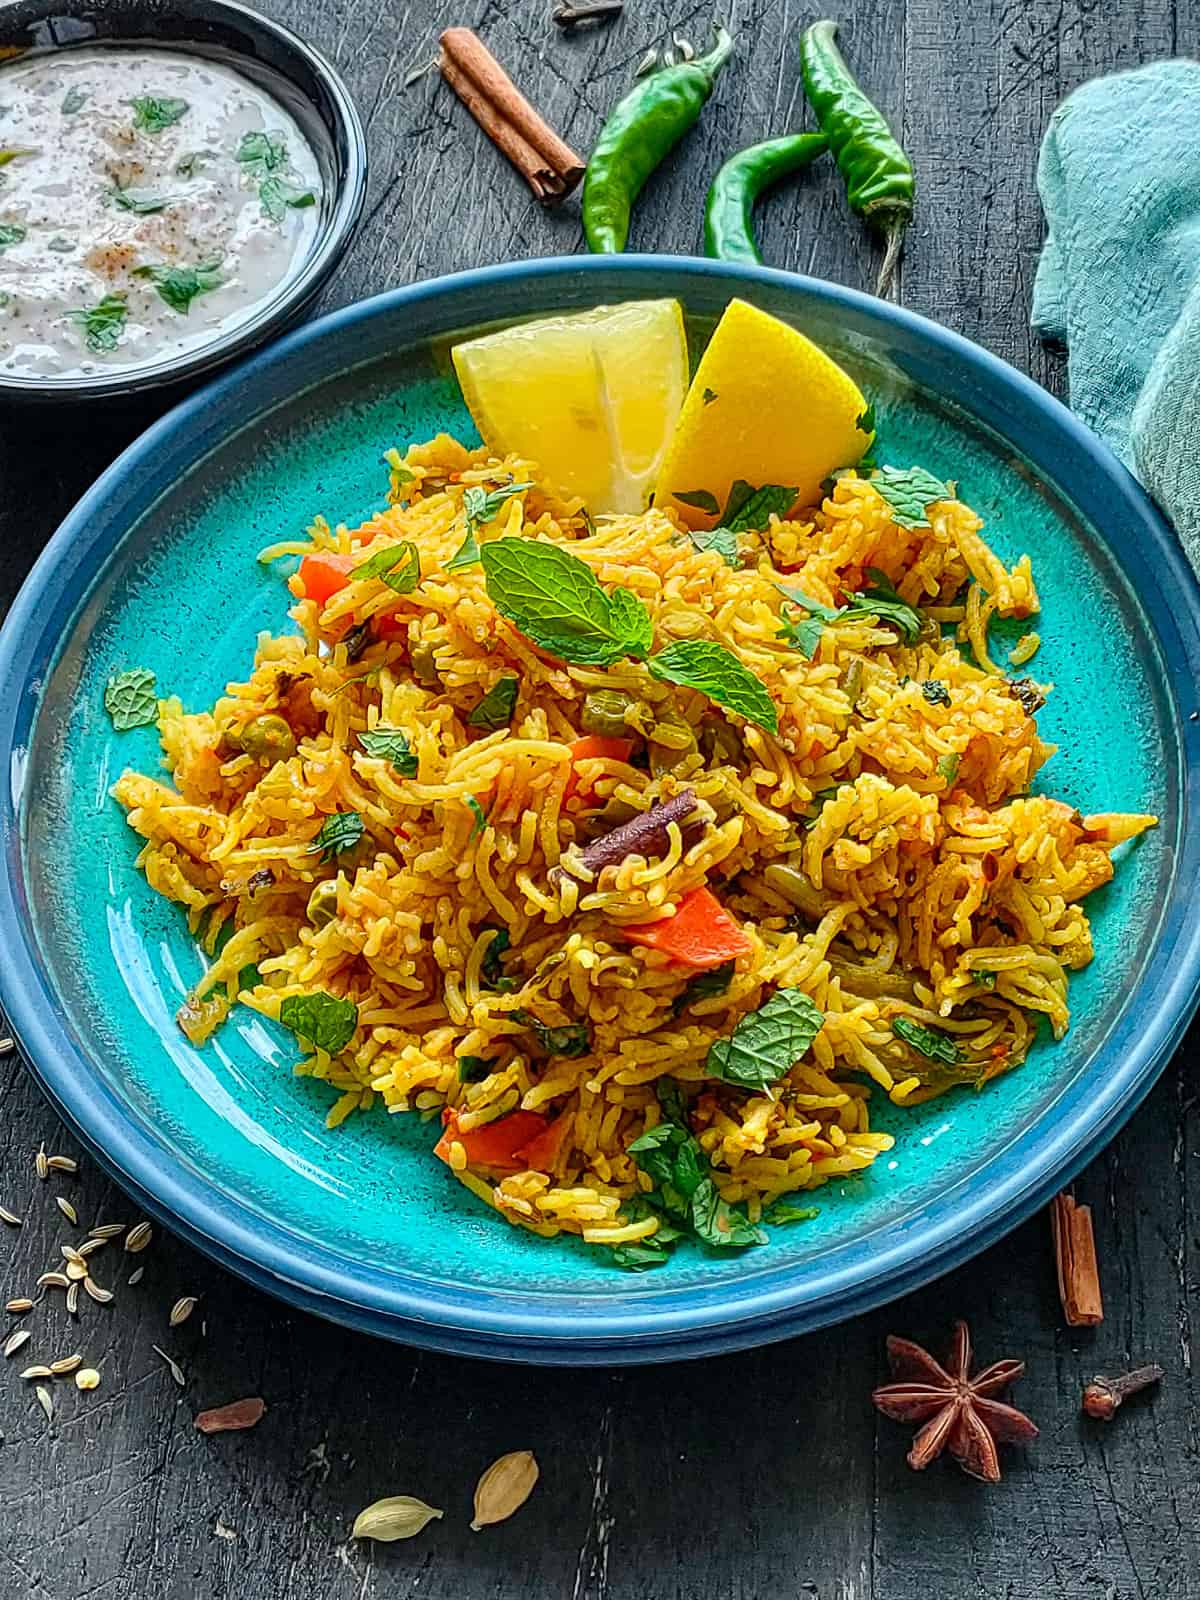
{"x":700,"y":1319}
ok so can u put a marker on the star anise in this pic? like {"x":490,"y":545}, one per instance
{"x":958,"y":1411}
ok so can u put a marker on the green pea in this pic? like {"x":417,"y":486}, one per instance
{"x":269,"y":738}
{"x":604,"y":713}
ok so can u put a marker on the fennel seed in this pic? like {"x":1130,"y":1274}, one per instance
{"x":73,"y":1300}
{"x":54,"y":1280}
{"x":15,"y":1340}
{"x":67,"y":1209}
{"x":97,"y":1292}
{"x":46,"y":1402}
{"x":138,"y":1238}
{"x":10,"y":1217}
{"x":135,"y":1277}
{"x":37,"y":1372}
{"x":106,"y":1230}
{"x":65,"y":1365}
{"x":40,"y":1163}
{"x":647,"y":64}
{"x":77,"y":1271}
{"x":69,"y":1253}
{"x":61,"y":1164}
{"x":21,"y":1304}
{"x":182,"y":1309}
{"x":90,"y":1246}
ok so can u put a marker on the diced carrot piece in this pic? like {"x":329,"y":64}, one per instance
{"x":701,"y":934}
{"x":543,"y":1151}
{"x":495,"y":1144}
{"x":323,"y":574}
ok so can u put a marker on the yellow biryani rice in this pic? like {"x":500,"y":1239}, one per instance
{"x":882,"y":853}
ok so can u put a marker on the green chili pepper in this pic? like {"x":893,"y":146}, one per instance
{"x":879,"y":176}
{"x":640,"y":132}
{"x":729,"y":209}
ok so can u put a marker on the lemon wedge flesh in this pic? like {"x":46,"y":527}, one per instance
{"x":592,"y":397}
{"x":766,"y":406}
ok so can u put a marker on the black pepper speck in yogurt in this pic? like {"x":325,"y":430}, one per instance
{"x":150,"y":201}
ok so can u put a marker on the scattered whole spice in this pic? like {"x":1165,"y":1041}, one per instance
{"x":95,"y":1292}
{"x":641,"y":131}
{"x":504,"y":1488}
{"x":182,"y":1309}
{"x":45,"y":1400}
{"x":549,"y":166}
{"x":879,"y":176}
{"x":135,"y":1277}
{"x":73,"y":1300}
{"x":38,"y":1371}
{"x":14,"y":1342}
{"x":66,"y":1365}
{"x":67,"y":1209}
{"x":106,"y":1230}
{"x":1103,"y":1396}
{"x":138,"y":1237}
{"x":61,"y":1164}
{"x":22,"y":1303}
{"x":175,"y":1369}
{"x":400,"y":1516}
{"x":956,"y":1410}
{"x":10,"y":1217}
{"x":570,"y":13}
{"x":41,"y":1164}
{"x":54,"y":1280}
{"x":237,"y":1414}
{"x":1075,"y":1259}
{"x":89,"y":1378}
{"x":641,"y":835}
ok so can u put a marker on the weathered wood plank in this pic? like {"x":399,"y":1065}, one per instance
{"x":766,"y":1474}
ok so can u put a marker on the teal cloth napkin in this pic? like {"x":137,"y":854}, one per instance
{"x":1119,"y":277}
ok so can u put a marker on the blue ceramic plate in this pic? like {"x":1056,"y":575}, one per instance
{"x":156,"y":567}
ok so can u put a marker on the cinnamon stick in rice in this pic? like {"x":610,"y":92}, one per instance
{"x":1075,"y":1257}
{"x":548,"y":164}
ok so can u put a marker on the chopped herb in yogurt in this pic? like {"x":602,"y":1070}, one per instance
{"x":74,"y":100}
{"x":179,"y":286}
{"x":10,"y":233}
{"x":144,"y":202}
{"x":264,"y":158}
{"x":103,"y":324}
{"x":152,"y":113}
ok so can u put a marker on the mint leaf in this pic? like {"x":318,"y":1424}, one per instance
{"x":474,"y":1069}
{"x":715,"y":671}
{"x":153,"y":113}
{"x":722,"y":540}
{"x":321,"y":1018}
{"x":948,"y":767}
{"x":391,"y":744}
{"x":803,"y":635}
{"x":339,"y":833}
{"x":143,"y":202}
{"x":555,"y":599}
{"x":179,"y":286}
{"x":756,"y":509}
{"x":496,"y":708}
{"x":632,"y":625}
{"x":10,"y":233}
{"x":260,"y":153}
{"x":768,"y":1042}
{"x":466,"y":555}
{"x":928,"y":1042}
{"x":102,"y":324}
{"x":882,"y":602}
{"x":909,"y":493}
{"x":279,"y":195}
{"x":131,"y":700}
{"x":866,"y":423}
{"x":570,"y":1040}
{"x":491,"y":973}
{"x":779,"y":1213}
{"x":639,"y":1255}
{"x":935,"y":691}
{"x":484,"y":505}
{"x":73,"y":101}
{"x":480,"y":816}
{"x":399,"y":566}
{"x":798,"y":597}
{"x":717,"y":1223}
{"x":700,"y":498}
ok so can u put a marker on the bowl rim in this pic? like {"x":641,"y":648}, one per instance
{"x":713,"y":1316}
{"x":349,"y":142}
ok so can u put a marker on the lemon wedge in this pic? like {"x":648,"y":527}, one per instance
{"x":766,"y":406}
{"x":592,"y":397}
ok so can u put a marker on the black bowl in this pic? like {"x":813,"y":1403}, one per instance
{"x":271,"y":57}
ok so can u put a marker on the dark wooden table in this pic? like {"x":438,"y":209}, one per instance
{"x":764,"y":1476}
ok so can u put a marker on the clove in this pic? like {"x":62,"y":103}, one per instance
{"x":1103,"y":1396}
